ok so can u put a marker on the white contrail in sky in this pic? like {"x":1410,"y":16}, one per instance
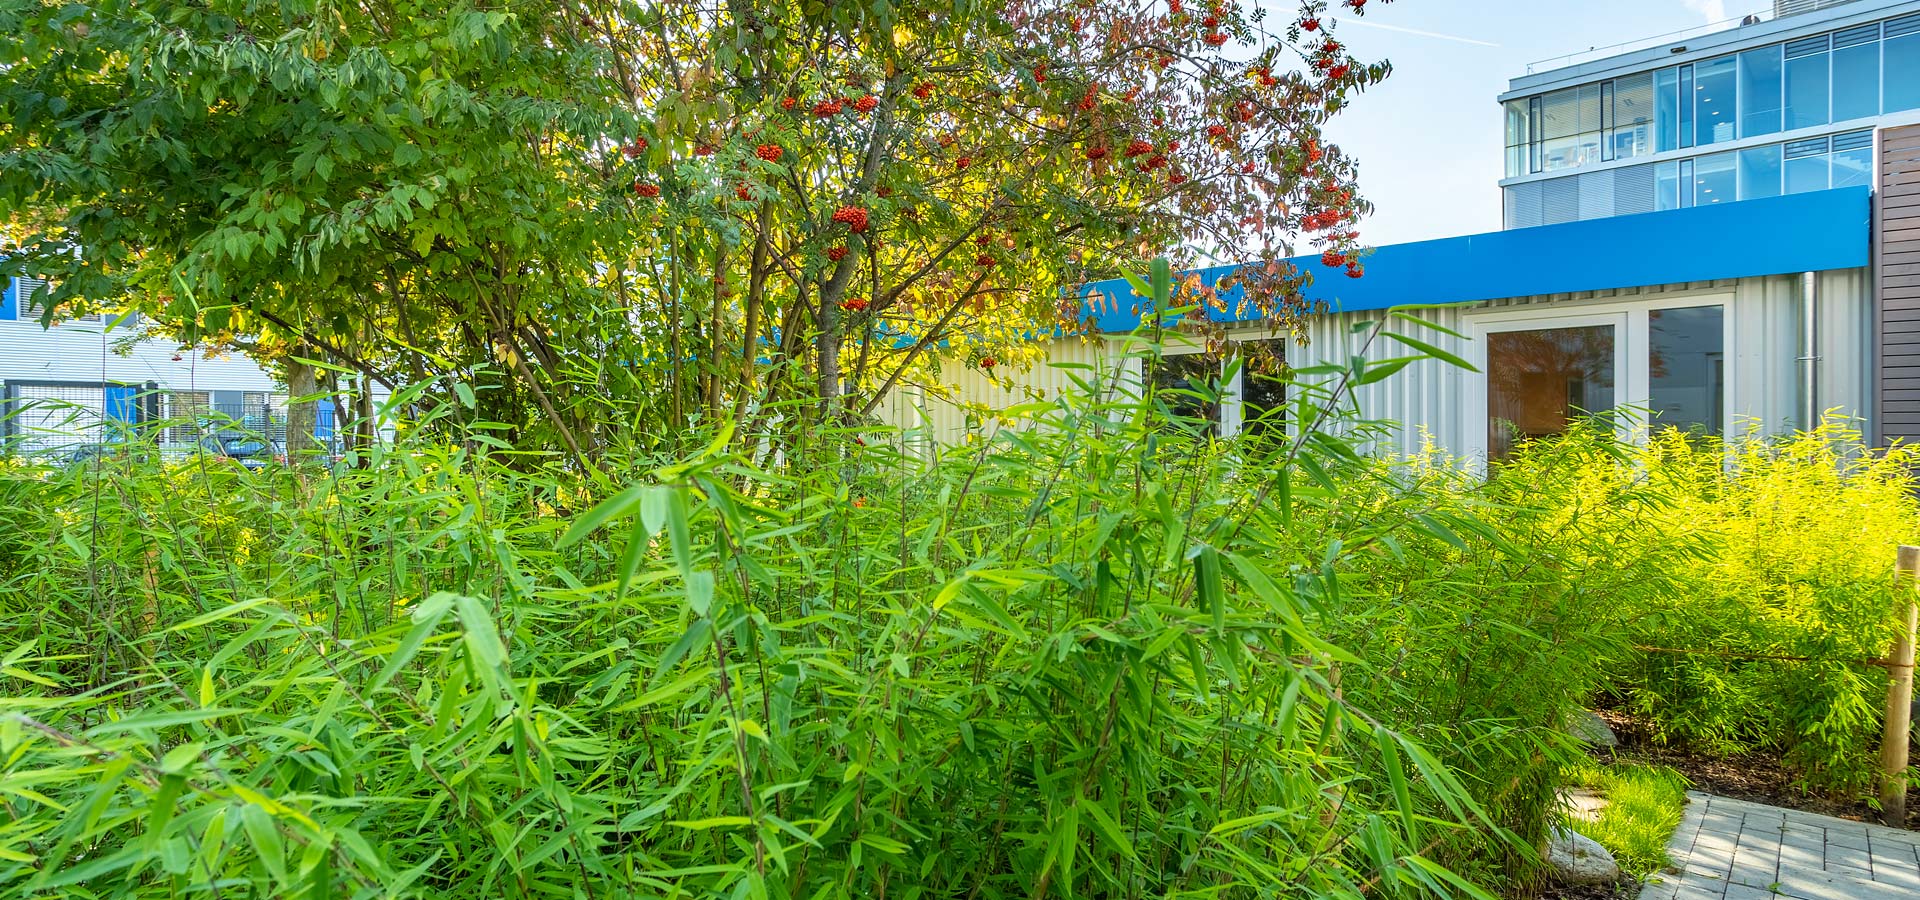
{"x":1432,"y":34}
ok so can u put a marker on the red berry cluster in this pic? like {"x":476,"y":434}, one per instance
{"x":963,"y":162}
{"x":1211,"y":22}
{"x":985,"y":261}
{"x":1096,"y":153}
{"x":988,"y":362}
{"x":1173,"y":7}
{"x":768,"y":152}
{"x":1356,"y":4}
{"x":853,"y":217}
{"x":1215,"y":131}
{"x":1040,"y":73}
{"x":1089,"y":99}
{"x":789,"y":103}
{"x":1310,"y":24}
{"x":703,"y":150}
{"x":1333,"y":258}
{"x":1137,"y":148}
{"x":1156,"y":161}
{"x":1215,"y":38}
{"x":883,"y":191}
{"x":646,"y":190}
{"x":1176,"y":178}
{"x":1338,"y":71}
{"x":1322,"y":220}
{"x":837,"y":253}
{"x":866,"y":104}
{"x":636,"y":148}
{"x":826,"y":108}
{"x":923,"y":90}
{"x":742,"y":191}
{"x":1354,"y":270}
{"x":854,"y":304}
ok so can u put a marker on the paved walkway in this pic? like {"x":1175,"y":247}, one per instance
{"x":1734,"y":850}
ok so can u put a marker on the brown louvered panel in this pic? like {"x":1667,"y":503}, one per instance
{"x":1896,"y":234}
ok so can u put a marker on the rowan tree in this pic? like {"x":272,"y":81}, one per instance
{"x":618,"y":218}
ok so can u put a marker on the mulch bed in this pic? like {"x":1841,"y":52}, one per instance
{"x":1624,"y":889}
{"x":1755,"y":777}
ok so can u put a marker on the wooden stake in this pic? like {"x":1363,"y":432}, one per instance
{"x":1893,"y":744}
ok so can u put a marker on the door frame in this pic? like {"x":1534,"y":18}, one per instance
{"x":1632,"y":343}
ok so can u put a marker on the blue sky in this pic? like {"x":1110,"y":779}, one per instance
{"x":1428,"y":139}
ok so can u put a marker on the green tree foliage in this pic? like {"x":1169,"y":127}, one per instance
{"x":615,"y":219}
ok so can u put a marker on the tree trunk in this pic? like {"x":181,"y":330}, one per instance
{"x":303,"y":411}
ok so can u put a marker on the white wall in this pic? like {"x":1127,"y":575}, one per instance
{"x":92,"y":352}
{"x":1433,"y":398}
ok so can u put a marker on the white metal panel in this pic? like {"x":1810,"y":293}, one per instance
{"x":1434,"y":399}
{"x":93,"y":351}
{"x":960,"y":399}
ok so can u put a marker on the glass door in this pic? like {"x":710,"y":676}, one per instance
{"x":1540,"y":380}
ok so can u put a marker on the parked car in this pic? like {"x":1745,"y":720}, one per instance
{"x":250,"y":452}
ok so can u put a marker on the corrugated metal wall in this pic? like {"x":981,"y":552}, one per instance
{"x":1433,"y":399}
{"x":961,"y":400}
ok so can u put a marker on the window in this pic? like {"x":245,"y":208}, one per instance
{"x":1686,"y":368}
{"x":1571,"y":127}
{"x":1713,"y":179}
{"x":1760,"y":91}
{"x":1902,"y":63}
{"x":186,"y":410}
{"x":1516,"y":137}
{"x":1856,"y":73}
{"x":1666,"y":109}
{"x":1686,"y":106}
{"x":1632,"y":125}
{"x":1540,"y":381}
{"x":1760,"y":172}
{"x":1188,"y":385}
{"x":1536,"y":117}
{"x":1853,"y":158}
{"x":1806,"y":165}
{"x":1713,"y":101}
{"x":1806,"y":79}
{"x":1263,"y":392}
{"x":1666,"y":185}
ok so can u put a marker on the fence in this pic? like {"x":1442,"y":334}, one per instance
{"x":53,"y":418}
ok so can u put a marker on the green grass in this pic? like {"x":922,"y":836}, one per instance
{"x":1644,"y":807}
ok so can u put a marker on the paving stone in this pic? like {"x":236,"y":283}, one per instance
{"x":1733,"y":850}
{"x":1847,"y":838}
{"x":1842,"y":855}
{"x":1826,"y":884}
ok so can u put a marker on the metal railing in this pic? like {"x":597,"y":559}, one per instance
{"x":1592,"y":53}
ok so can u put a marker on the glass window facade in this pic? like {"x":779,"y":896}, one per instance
{"x":1714,"y":180}
{"x":1900,"y":58}
{"x":1760,"y":172}
{"x":1842,"y":76}
{"x":1807,"y":84}
{"x":1806,"y":166}
{"x":1666,"y":110}
{"x":1769,"y":170}
{"x":1760,"y":72}
{"x":1714,"y":89}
